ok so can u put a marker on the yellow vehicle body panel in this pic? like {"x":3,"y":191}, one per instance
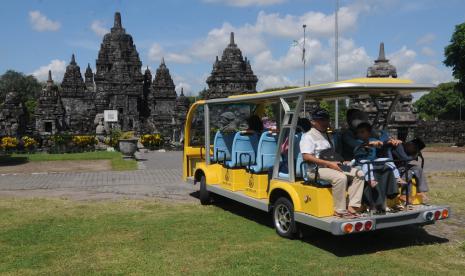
{"x":307,"y":199}
{"x":257,"y":186}
{"x":234,"y":179}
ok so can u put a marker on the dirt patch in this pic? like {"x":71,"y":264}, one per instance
{"x":445,"y":149}
{"x":57,"y":166}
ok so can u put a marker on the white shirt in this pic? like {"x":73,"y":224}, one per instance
{"x":313,"y":142}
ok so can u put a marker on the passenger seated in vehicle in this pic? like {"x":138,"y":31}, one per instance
{"x":367,"y":152}
{"x":255,"y":124}
{"x":312,"y":144}
{"x":412,"y":150}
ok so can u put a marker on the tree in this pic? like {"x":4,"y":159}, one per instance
{"x":442,"y":103}
{"x":26,"y":86}
{"x":455,"y":55}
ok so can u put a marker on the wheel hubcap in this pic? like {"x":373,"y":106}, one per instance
{"x":282,"y":218}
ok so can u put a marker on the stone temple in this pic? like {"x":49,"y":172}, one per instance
{"x":13,"y":116}
{"x":232,"y":74}
{"x":403,"y":115}
{"x":144,"y":105}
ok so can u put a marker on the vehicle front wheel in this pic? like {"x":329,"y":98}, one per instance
{"x":283,"y":218}
{"x":204,"y":194}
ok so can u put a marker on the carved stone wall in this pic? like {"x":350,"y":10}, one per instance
{"x":441,"y":131}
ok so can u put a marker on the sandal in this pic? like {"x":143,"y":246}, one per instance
{"x":403,"y":199}
{"x":346,"y":215}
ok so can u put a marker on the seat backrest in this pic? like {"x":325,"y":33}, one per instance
{"x":244,"y":149}
{"x":266,"y":151}
{"x":297,"y":155}
{"x":222,"y":146}
{"x":337,"y":142}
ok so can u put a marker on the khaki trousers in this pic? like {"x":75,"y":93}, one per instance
{"x":340,"y":181}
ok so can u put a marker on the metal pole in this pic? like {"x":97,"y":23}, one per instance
{"x":336,"y":62}
{"x":304,"y":60}
{"x":303,"y":52}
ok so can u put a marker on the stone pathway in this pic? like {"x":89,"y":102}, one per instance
{"x":159,"y":176}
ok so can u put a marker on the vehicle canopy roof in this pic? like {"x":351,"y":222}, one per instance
{"x":346,"y":88}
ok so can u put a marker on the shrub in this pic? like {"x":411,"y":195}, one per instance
{"x":84,"y":141}
{"x":151,"y":141}
{"x":8,"y":143}
{"x":127,"y":135}
{"x":62,"y":139}
{"x":112,"y":140}
{"x":29,"y":143}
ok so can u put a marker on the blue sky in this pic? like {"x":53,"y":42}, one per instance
{"x":42,"y":35}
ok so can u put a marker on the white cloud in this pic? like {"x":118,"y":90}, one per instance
{"x":318,"y":23}
{"x":427,"y":51}
{"x":273,"y":81}
{"x":217,"y":39}
{"x":402,"y":58}
{"x":426,"y":73}
{"x":254,"y":38}
{"x":426,"y":39}
{"x":353,"y":62}
{"x":57,"y":67}
{"x":98,"y":28}
{"x":156,"y":52}
{"x":246,"y":3}
{"x":41,"y":23}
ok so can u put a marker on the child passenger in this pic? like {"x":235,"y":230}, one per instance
{"x":367,"y":153}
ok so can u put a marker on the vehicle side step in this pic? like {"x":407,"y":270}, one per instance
{"x":261,"y":204}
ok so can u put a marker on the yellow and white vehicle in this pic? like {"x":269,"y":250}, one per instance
{"x":249,"y":169}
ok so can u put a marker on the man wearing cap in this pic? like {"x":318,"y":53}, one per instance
{"x":312,"y":144}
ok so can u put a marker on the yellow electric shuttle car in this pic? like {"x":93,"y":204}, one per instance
{"x":266,"y":170}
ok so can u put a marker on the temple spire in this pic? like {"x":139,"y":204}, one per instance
{"x":381,"y":56}
{"x":162,"y":60}
{"x":49,"y":77}
{"x":73,"y":60}
{"x":117,"y":24}
{"x":231,"y":39}
{"x":182,"y":91}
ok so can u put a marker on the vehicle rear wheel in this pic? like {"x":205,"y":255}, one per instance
{"x":283,"y":218}
{"x":204,"y":194}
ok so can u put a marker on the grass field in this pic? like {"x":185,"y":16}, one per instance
{"x":117,"y":161}
{"x":53,"y":236}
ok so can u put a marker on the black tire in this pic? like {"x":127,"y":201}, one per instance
{"x":204,"y":194}
{"x":283,"y":218}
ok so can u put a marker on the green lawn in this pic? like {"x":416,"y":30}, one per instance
{"x":117,"y":161}
{"x":54,"y":236}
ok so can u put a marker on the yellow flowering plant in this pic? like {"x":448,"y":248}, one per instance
{"x":9,"y":143}
{"x":151,"y":141}
{"x":29,"y":142}
{"x":83,"y":141}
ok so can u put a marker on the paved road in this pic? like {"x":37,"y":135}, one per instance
{"x":159,"y":176}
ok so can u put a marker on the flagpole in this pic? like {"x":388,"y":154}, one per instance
{"x":303,"y":54}
{"x":303,"y":58}
{"x":336,"y":62}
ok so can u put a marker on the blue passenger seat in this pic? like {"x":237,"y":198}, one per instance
{"x":297,"y":137}
{"x":266,"y":152}
{"x":222,"y":146}
{"x":244,"y":149}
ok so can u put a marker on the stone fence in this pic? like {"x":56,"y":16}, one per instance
{"x":441,"y":131}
